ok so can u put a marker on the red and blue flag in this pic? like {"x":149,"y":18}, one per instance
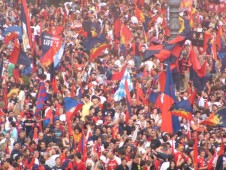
{"x":183,"y":109}
{"x":41,"y":98}
{"x":165,"y":100}
{"x":70,"y":103}
{"x":216,"y":119}
{"x":19,"y":57}
{"x":26,"y":28}
{"x":162,"y":52}
{"x":197,"y":71}
{"x":51,"y":45}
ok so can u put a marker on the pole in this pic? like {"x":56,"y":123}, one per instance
{"x":174,"y":24}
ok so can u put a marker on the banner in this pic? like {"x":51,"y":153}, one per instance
{"x":216,"y":7}
{"x":50,"y":45}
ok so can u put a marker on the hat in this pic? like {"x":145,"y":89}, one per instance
{"x":90,"y":144}
{"x":103,"y":158}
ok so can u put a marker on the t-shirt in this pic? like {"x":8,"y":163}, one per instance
{"x":80,"y":165}
{"x":112,"y":164}
{"x":201,"y":163}
{"x":28,"y":125}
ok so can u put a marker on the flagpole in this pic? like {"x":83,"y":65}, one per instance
{"x":145,"y":37}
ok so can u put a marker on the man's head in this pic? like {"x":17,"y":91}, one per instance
{"x":58,"y":161}
{"x":78,"y":156}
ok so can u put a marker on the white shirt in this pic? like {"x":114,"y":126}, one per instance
{"x":51,"y":161}
{"x":165,"y":165}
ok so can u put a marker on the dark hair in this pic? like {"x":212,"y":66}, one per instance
{"x":78,"y":155}
{"x":13,"y":124}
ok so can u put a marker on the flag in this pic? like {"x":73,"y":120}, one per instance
{"x":183,"y":109}
{"x":200,"y":70}
{"x":197,"y":71}
{"x":57,"y":57}
{"x":165,"y":100}
{"x":164,"y":51}
{"x":126,"y":35}
{"x":51,"y":44}
{"x":93,"y":42}
{"x":206,"y":38}
{"x":220,"y":159}
{"x":41,"y":98}
{"x":218,"y":37}
{"x":139,"y":15}
{"x":126,"y":81}
{"x":191,"y":15}
{"x":71,"y":115}
{"x":216,"y":119}
{"x":26,"y":28}
{"x":119,"y":75}
{"x":97,"y":51}
{"x":117,"y":23}
{"x":70,"y":103}
{"x":10,"y":36}
{"x":222,"y":115}
{"x":191,"y":98}
{"x":19,"y":57}
{"x":153,"y":96}
{"x":11,"y":29}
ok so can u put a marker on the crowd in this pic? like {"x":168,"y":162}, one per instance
{"x":107,"y":134}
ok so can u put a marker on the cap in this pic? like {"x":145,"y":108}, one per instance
{"x":103,"y":158}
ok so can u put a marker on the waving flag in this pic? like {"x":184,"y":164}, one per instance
{"x":216,"y":119}
{"x":94,"y":42}
{"x":126,"y":35}
{"x":119,"y":75}
{"x":197,"y":71}
{"x":57,"y":57}
{"x":11,"y":29}
{"x":41,"y":98}
{"x":139,"y":15}
{"x":70,"y":103}
{"x":220,"y":159}
{"x":200,"y":70}
{"x":19,"y":57}
{"x":165,"y":100}
{"x":97,"y":51}
{"x":125,"y":86}
{"x":206,"y":38}
{"x":117,"y":22}
{"x":51,"y":44}
{"x":26,"y":28}
{"x":183,"y":109}
{"x":218,"y":38}
{"x":164,"y":51}
{"x":10,"y":36}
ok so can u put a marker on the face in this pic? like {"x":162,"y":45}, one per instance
{"x":202,"y":154}
{"x":41,"y":136}
{"x":172,"y":164}
{"x":124,"y":162}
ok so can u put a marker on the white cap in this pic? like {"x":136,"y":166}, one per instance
{"x":103,"y":158}
{"x":90,"y":143}
{"x":134,"y":20}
